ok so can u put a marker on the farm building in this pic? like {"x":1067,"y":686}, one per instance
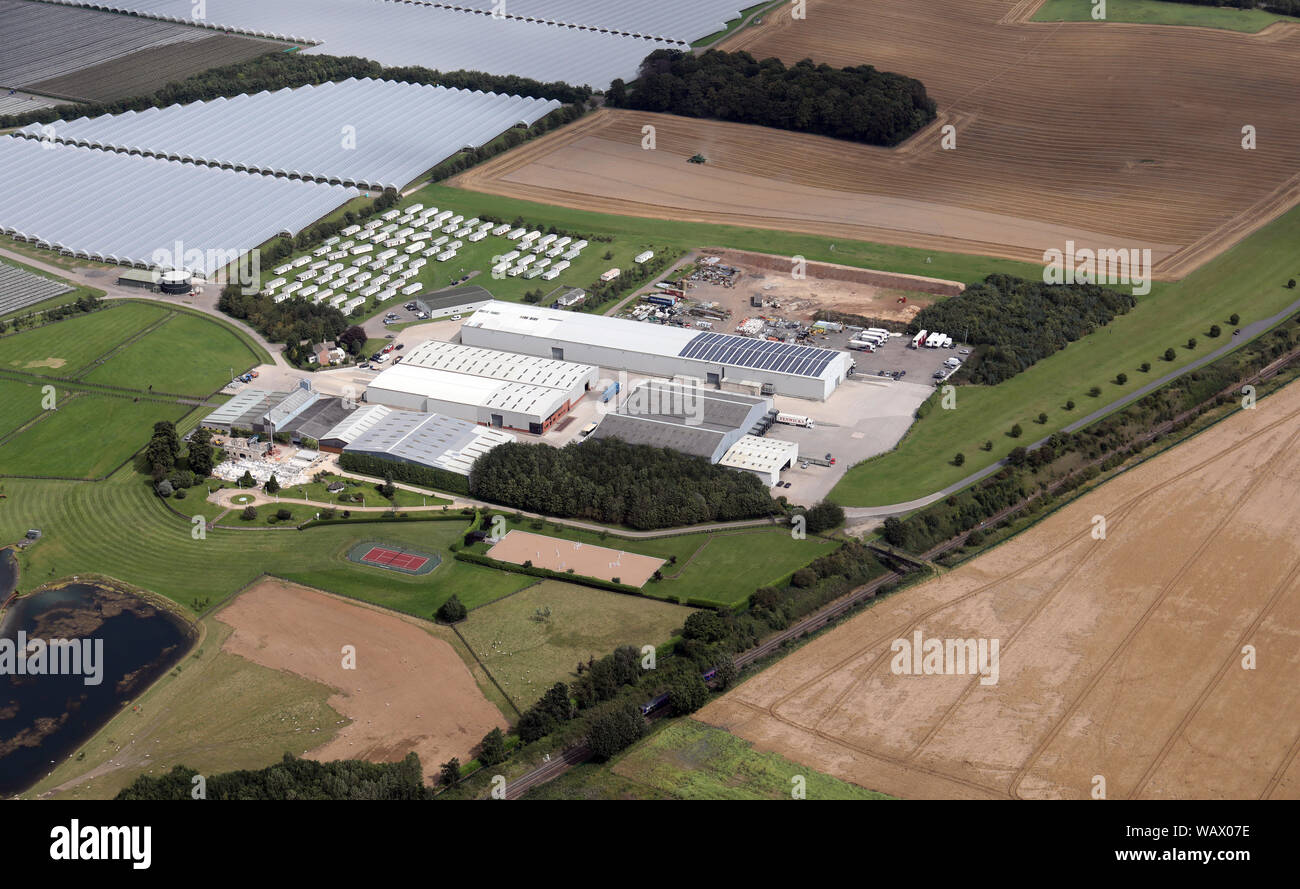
{"x":765,"y":457}
{"x":686,"y":418}
{"x":717,"y":359}
{"x":457,"y":301}
{"x":422,"y":439}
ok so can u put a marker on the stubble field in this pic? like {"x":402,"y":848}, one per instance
{"x":1112,"y":135}
{"x":1122,"y":659}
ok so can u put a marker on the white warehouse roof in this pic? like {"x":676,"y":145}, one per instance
{"x":581,"y":327}
{"x":443,"y":385}
{"x":440,"y":37}
{"x":763,"y":456}
{"x":369,"y":133}
{"x":141,"y":211}
{"x":498,"y":365}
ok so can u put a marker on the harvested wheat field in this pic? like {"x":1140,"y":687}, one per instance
{"x":1119,"y":657}
{"x":409,"y":691}
{"x":1108,"y":134}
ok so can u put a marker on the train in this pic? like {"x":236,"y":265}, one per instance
{"x":659,"y":700}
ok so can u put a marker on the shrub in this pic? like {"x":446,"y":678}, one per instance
{"x":1121,"y":379}
{"x":283,"y":514}
{"x":1170,"y":354}
{"x":249,"y":513}
{"x":1234,"y":319}
{"x":1145,"y":366}
{"x":1069,"y":405}
{"x":1016,"y":431}
{"x":452,"y":611}
{"x":1042,"y":419}
{"x":1094,"y":391}
{"x":988,"y":445}
{"x":164,"y":489}
{"x":958,"y":459}
{"x":1215,"y":331}
{"x":803,"y":578}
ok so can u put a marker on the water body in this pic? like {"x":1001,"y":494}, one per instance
{"x":44,"y":719}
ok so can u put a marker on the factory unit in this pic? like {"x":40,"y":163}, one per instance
{"x":483,"y":400}
{"x":432,"y":440}
{"x":686,"y":418}
{"x":717,"y":359}
{"x":457,"y":301}
{"x":765,"y":457}
{"x":574,"y":380}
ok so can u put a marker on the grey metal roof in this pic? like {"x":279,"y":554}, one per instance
{"x":695,"y":440}
{"x":320,"y":418}
{"x":42,"y":41}
{"x":244,"y":408}
{"x":20,"y":288}
{"x":427,"y":440}
{"x":456,"y":296}
{"x":740,"y":351}
{"x":693,"y":406}
{"x":371,"y":133}
{"x":397,"y":33}
{"x":118,"y":208}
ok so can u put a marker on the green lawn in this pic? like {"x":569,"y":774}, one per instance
{"x":688,"y":760}
{"x":188,"y":354}
{"x":19,"y":402}
{"x":527,"y":655}
{"x":1250,"y":279}
{"x":66,"y":347}
{"x":720,"y":569}
{"x":318,"y":491}
{"x":1159,"y":12}
{"x":120,"y":528}
{"x":87,"y":437}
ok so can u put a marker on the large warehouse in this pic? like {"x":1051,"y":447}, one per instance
{"x":483,"y":386}
{"x":690,"y":419}
{"x":426,"y":440}
{"x":714,"y":358}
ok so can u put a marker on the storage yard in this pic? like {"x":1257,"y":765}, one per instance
{"x":1154,"y":177}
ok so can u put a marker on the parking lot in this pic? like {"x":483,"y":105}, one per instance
{"x":917,"y":365}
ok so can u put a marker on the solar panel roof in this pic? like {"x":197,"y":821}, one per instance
{"x":739,"y":351}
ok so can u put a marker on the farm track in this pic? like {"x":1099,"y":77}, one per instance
{"x":1114,"y":135}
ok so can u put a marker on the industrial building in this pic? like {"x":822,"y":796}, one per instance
{"x":483,"y":386}
{"x":430,"y":440}
{"x":718,"y":359}
{"x":457,"y":301}
{"x":690,"y":419}
{"x":765,"y":457}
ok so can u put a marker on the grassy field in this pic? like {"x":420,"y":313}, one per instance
{"x":690,"y":235}
{"x":318,"y":491}
{"x":87,"y":437}
{"x":1159,"y":12}
{"x":1250,"y":279}
{"x":721,"y":569}
{"x":67,"y":347}
{"x":528,"y":655}
{"x":688,"y":760}
{"x":19,"y":402}
{"x":188,"y":354}
{"x":120,"y":528}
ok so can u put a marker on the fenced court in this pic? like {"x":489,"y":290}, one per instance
{"x":556,"y":554}
{"x":394,"y":558}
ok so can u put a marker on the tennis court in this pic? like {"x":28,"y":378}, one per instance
{"x":395,"y":559}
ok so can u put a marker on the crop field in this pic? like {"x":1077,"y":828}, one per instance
{"x":67,"y":347}
{"x":1153,"y":176}
{"x":187,"y":354}
{"x":148,"y":70}
{"x":720,"y":569}
{"x":535,"y":638}
{"x":685,"y":759}
{"x":1156,"y":651}
{"x":1160,"y":12}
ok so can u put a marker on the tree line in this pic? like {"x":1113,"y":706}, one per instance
{"x":616,"y":483}
{"x":1018,"y":322}
{"x":1281,"y":7}
{"x":291,"y":779}
{"x":857,"y":103}
{"x":292,"y":321}
{"x":278,"y":70}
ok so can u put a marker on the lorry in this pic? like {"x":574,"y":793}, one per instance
{"x":918,"y":340}
{"x":795,"y":420}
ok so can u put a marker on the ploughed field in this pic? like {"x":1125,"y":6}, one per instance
{"x":1115,"y":136}
{"x":1123,"y":659}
